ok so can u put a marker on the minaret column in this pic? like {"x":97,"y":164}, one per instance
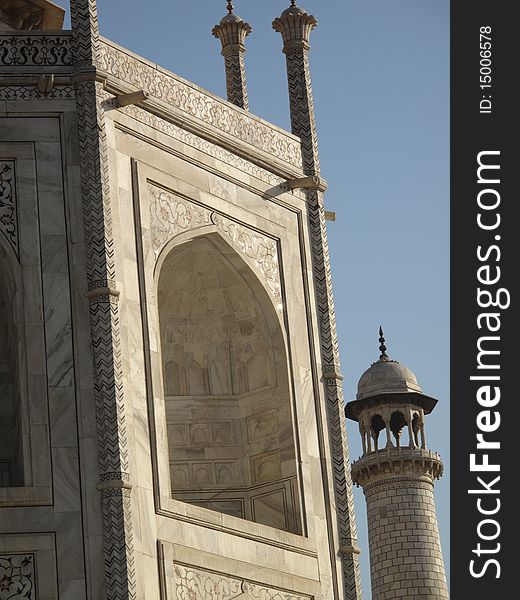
{"x":295,"y":26}
{"x":232,"y":32}
{"x":398,"y":482}
{"x":114,"y":478}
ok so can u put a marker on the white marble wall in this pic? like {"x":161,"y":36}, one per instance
{"x":43,"y":518}
{"x":207,"y":192}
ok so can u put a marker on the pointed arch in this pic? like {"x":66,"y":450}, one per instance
{"x":219,"y":324}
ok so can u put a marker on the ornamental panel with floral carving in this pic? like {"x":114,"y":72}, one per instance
{"x":170,"y":215}
{"x":17,"y":577}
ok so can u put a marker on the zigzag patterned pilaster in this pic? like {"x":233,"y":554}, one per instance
{"x":104,"y":309}
{"x":303,"y":121}
{"x":335,"y":402}
{"x":236,"y":78}
{"x":85,"y":33}
{"x":232,"y":32}
{"x":295,"y":25}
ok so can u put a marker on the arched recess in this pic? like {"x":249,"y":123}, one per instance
{"x":377,"y":424}
{"x":397,"y":425}
{"x":226,"y":386}
{"x":11,"y":370}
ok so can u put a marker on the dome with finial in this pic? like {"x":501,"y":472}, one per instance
{"x":386,"y":376}
{"x":232,"y":29}
{"x":230,"y":17}
{"x":294,"y":10}
{"x":388,"y":380}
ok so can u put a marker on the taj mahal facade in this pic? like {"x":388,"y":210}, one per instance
{"x":172,"y":420}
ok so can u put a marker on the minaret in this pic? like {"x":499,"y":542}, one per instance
{"x":295,"y":26}
{"x":232,"y":32}
{"x":397,"y":473}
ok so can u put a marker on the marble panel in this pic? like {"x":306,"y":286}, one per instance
{"x":28,"y":567}
{"x":58,"y":329}
{"x":186,"y":581}
{"x":270,"y":509}
{"x":266,"y":467}
{"x":262,"y":425}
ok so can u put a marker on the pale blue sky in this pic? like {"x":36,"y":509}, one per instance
{"x":381,"y":84}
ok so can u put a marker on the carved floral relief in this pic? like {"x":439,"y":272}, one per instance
{"x":35,"y":50}
{"x":8,"y":216}
{"x":194,"y":584}
{"x":171,"y":214}
{"x":212,"y":111}
{"x":17,"y":577}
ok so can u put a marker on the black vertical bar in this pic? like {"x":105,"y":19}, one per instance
{"x":484,"y":256}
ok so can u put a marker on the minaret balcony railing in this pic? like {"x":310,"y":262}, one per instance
{"x":396,"y":462}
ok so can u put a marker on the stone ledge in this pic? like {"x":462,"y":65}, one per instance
{"x":396,"y":462}
{"x":196,"y":109}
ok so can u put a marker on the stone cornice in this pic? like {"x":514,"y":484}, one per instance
{"x":199,"y":111}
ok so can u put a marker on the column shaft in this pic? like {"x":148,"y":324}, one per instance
{"x":104,"y":307}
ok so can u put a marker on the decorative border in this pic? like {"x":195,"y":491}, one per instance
{"x":113,"y":452}
{"x":8,"y":210}
{"x":192,"y":582}
{"x":36,"y":50}
{"x":17,"y":577}
{"x":209,"y":111}
{"x":24,"y":92}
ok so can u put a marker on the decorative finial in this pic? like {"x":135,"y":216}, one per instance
{"x":293,"y":2}
{"x":382,"y":347}
{"x":230,"y":7}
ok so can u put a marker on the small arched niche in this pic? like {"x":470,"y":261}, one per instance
{"x":11,"y":438}
{"x":226,"y":387}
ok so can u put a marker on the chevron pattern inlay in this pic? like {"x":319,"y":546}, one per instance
{"x":104,"y":308}
{"x":236,"y":83}
{"x":295,"y":26}
{"x":232,"y":32}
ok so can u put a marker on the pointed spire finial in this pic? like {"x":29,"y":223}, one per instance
{"x":293,"y":2}
{"x":230,"y":7}
{"x":382,"y":347}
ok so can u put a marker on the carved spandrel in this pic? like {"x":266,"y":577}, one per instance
{"x":171,"y":215}
{"x":8,"y":212}
{"x":190,"y":582}
{"x":262,"y":250}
